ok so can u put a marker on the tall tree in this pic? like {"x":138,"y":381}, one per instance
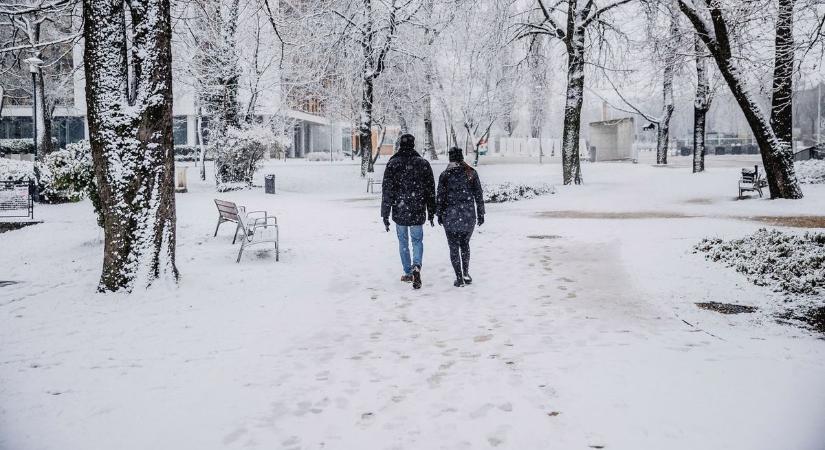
{"x":774,"y":146}
{"x":701,"y":105}
{"x":580,"y":17}
{"x":669,"y":59}
{"x":127,"y":58}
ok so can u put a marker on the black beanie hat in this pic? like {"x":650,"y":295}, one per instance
{"x":407,"y":141}
{"x":456,"y":154}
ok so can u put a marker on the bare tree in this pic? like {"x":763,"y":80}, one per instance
{"x":712,"y":23}
{"x":578,"y":17}
{"x":127,"y":59}
{"x":47,"y":32}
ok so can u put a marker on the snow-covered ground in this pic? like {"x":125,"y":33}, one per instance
{"x":579,"y":332}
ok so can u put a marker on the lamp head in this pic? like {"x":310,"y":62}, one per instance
{"x":34,"y":64}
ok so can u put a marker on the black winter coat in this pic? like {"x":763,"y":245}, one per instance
{"x":459,"y":198}
{"x":408,"y":189}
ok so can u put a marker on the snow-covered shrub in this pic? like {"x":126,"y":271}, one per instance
{"x":324,"y":156}
{"x":18,"y":146}
{"x":511,"y":192}
{"x":789,"y":263}
{"x":811,"y":171}
{"x":66,"y":175}
{"x":12,"y":170}
{"x":239,"y":153}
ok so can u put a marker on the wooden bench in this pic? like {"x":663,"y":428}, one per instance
{"x":228,"y":212}
{"x":371,"y":182}
{"x":751,"y":181}
{"x":256,"y":227}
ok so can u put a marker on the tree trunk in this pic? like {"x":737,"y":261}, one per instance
{"x":663,"y":135}
{"x":365,"y":127}
{"x":131,"y":141}
{"x":777,"y":156}
{"x":571,"y":166}
{"x":782,"y":101}
{"x":429,"y":140}
{"x":701,"y":105}
{"x":44,"y":119}
{"x":537,"y":88}
{"x":699,"y":121}
{"x":201,"y":144}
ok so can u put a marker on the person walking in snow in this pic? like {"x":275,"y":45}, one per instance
{"x":408,"y":192}
{"x":460,"y":205}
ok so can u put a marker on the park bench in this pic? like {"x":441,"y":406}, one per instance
{"x":751,"y":181}
{"x":371,"y":182}
{"x":256,"y":227}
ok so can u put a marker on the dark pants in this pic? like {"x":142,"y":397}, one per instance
{"x":459,"y":242}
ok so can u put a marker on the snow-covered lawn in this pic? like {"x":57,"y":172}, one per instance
{"x":579,"y":331}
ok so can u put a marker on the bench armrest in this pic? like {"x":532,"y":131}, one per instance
{"x":262,"y":222}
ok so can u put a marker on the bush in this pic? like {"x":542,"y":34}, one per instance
{"x":510,"y":192}
{"x":239,"y":153}
{"x":66,"y":175}
{"x":12,"y":170}
{"x":789,"y":263}
{"x":811,"y":171}
{"x":18,"y":146}
{"x":324,"y":156}
{"x":188,"y":153}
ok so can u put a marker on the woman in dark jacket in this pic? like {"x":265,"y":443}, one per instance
{"x":460,"y":204}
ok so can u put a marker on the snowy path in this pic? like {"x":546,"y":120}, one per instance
{"x":576,"y":334}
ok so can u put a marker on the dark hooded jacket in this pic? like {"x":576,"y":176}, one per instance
{"x":460,"y":198}
{"x":408,"y":188}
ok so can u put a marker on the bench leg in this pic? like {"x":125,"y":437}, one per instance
{"x":277,"y":245}
{"x":219,"y":225}
{"x":236,"y":233}
{"x":240,"y":252}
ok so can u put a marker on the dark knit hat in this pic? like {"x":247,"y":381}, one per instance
{"x":456,"y":154}
{"x":406,"y":141}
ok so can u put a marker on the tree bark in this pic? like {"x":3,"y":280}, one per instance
{"x":777,"y":156}
{"x":131,"y":139}
{"x":429,"y":139}
{"x":701,"y":105}
{"x":44,"y":118}
{"x":365,"y":127}
{"x":782,"y":101}
{"x":571,"y":166}
{"x":663,"y":135}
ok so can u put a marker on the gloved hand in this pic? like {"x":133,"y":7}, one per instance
{"x":387,"y":224}
{"x":432,"y":224}
{"x":480,"y":220}
{"x":440,"y":221}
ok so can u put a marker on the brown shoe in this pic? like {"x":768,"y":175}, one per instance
{"x":407,"y":278}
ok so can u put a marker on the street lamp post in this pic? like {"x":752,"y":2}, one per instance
{"x":34,"y":67}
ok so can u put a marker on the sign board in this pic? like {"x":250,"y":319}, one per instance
{"x":15,"y":199}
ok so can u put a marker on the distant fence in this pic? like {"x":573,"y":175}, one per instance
{"x":533,"y":147}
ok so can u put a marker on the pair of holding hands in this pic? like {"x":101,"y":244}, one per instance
{"x":432,"y":224}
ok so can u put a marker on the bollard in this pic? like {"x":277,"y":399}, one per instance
{"x":180,"y":179}
{"x":269,"y":183}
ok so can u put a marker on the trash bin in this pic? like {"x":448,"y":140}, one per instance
{"x":269,"y":184}
{"x":180,"y":179}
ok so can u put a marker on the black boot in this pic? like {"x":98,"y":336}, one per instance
{"x":416,"y":277}
{"x":459,"y":282}
{"x":468,"y":279}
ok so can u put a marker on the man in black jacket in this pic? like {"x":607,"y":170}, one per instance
{"x":409,"y":195}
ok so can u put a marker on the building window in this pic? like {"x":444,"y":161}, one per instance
{"x":67,"y":130}
{"x":16,"y":127}
{"x":180,"y":129}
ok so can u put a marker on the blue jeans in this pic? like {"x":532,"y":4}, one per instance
{"x":416,"y":232}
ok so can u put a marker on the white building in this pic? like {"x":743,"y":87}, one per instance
{"x":312,"y":132}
